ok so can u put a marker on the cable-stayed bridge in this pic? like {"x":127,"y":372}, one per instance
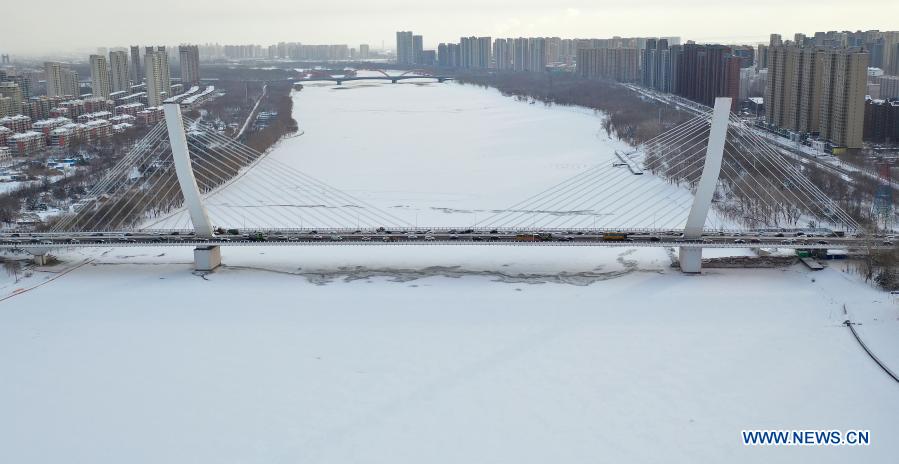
{"x":710,"y":182}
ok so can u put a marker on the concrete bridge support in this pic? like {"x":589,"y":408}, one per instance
{"x":39,"y":259}
{"x":691,"y":258}
{"x":205,"y":258}
{"x":40,"y":256}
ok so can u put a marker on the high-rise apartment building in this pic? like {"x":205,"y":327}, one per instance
{"x":568,"y":51}
{"x":404,"y":48}
{"x":417,"y":48}
{"x":502,"y":54}
{"x":520,"y":54}
{"x":53,"y":79}
{"x":536,"y":54}
{"x":119,"y":72}
{"x":793,"y":91}
{"x":364,"y":52}
{"x":483,"y":53}
{"x":619,"y":64}
{"x":889,"y":86}
{"x":468,"y":49}
{"x":818,"y":90}
{"x":882,"y":121}
{"x":845,"y":74}
{"x":890,"y":41}
{"x":159,"y":85}
{"x":12,"y":95}
{"x":449,"y":55}
{"x":190,"y":64}
{"x":136,"y":72}
{"x":705,"y":72}
{"x":553,"y":50}
{"x":761,"y":56}
{"x":61,"y":81}
{"x":99,"y":76}
{"x":646,"y":63}
{"x":656,"y":65}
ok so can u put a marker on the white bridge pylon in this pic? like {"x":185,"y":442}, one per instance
{"x":205,"y":258}
{"x":691,"y":258}
{"x":184,"y":170}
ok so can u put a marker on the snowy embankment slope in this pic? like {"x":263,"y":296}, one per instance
{"x":408,"y":359}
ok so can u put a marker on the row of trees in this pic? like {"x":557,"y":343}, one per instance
{"x":629,"y":117}
{"x":276,"y":100}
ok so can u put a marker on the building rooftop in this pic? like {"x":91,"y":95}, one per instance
{"x":26,"y":135}
{"x":194,"y":98}
{"x":51,"y":122}
{"x":178,"y":98}
{"x":131,"y":105}
{"x":18,"y":117}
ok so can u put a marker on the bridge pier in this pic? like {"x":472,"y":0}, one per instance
{"x":39,"y":259}
{"x":690,"y":260}
{"x":207,"y":258}
{"x":40,"y":256}
{"x":393,"y":81}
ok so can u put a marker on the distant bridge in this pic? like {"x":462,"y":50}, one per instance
{"x":393,"y":78}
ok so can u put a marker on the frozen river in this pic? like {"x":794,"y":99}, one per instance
{"x":436,"y":354}
{"x":445,"y":152}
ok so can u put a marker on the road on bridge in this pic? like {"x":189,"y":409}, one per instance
{"x":794,"y":240}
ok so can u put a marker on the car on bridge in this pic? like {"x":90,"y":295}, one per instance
{"x":614,"y":237}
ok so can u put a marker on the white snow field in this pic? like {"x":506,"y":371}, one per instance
{"x":437,"y":354}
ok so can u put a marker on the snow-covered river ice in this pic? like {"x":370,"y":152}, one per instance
{"x":436,"y":354}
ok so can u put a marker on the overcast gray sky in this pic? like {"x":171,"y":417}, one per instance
{"x":86,"y":24}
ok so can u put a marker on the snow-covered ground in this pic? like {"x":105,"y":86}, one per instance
{"x":436,"y":354}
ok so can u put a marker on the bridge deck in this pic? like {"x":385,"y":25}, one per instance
{"x":334,"y":237}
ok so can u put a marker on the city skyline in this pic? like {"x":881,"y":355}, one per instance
{"x":357,"y":22}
